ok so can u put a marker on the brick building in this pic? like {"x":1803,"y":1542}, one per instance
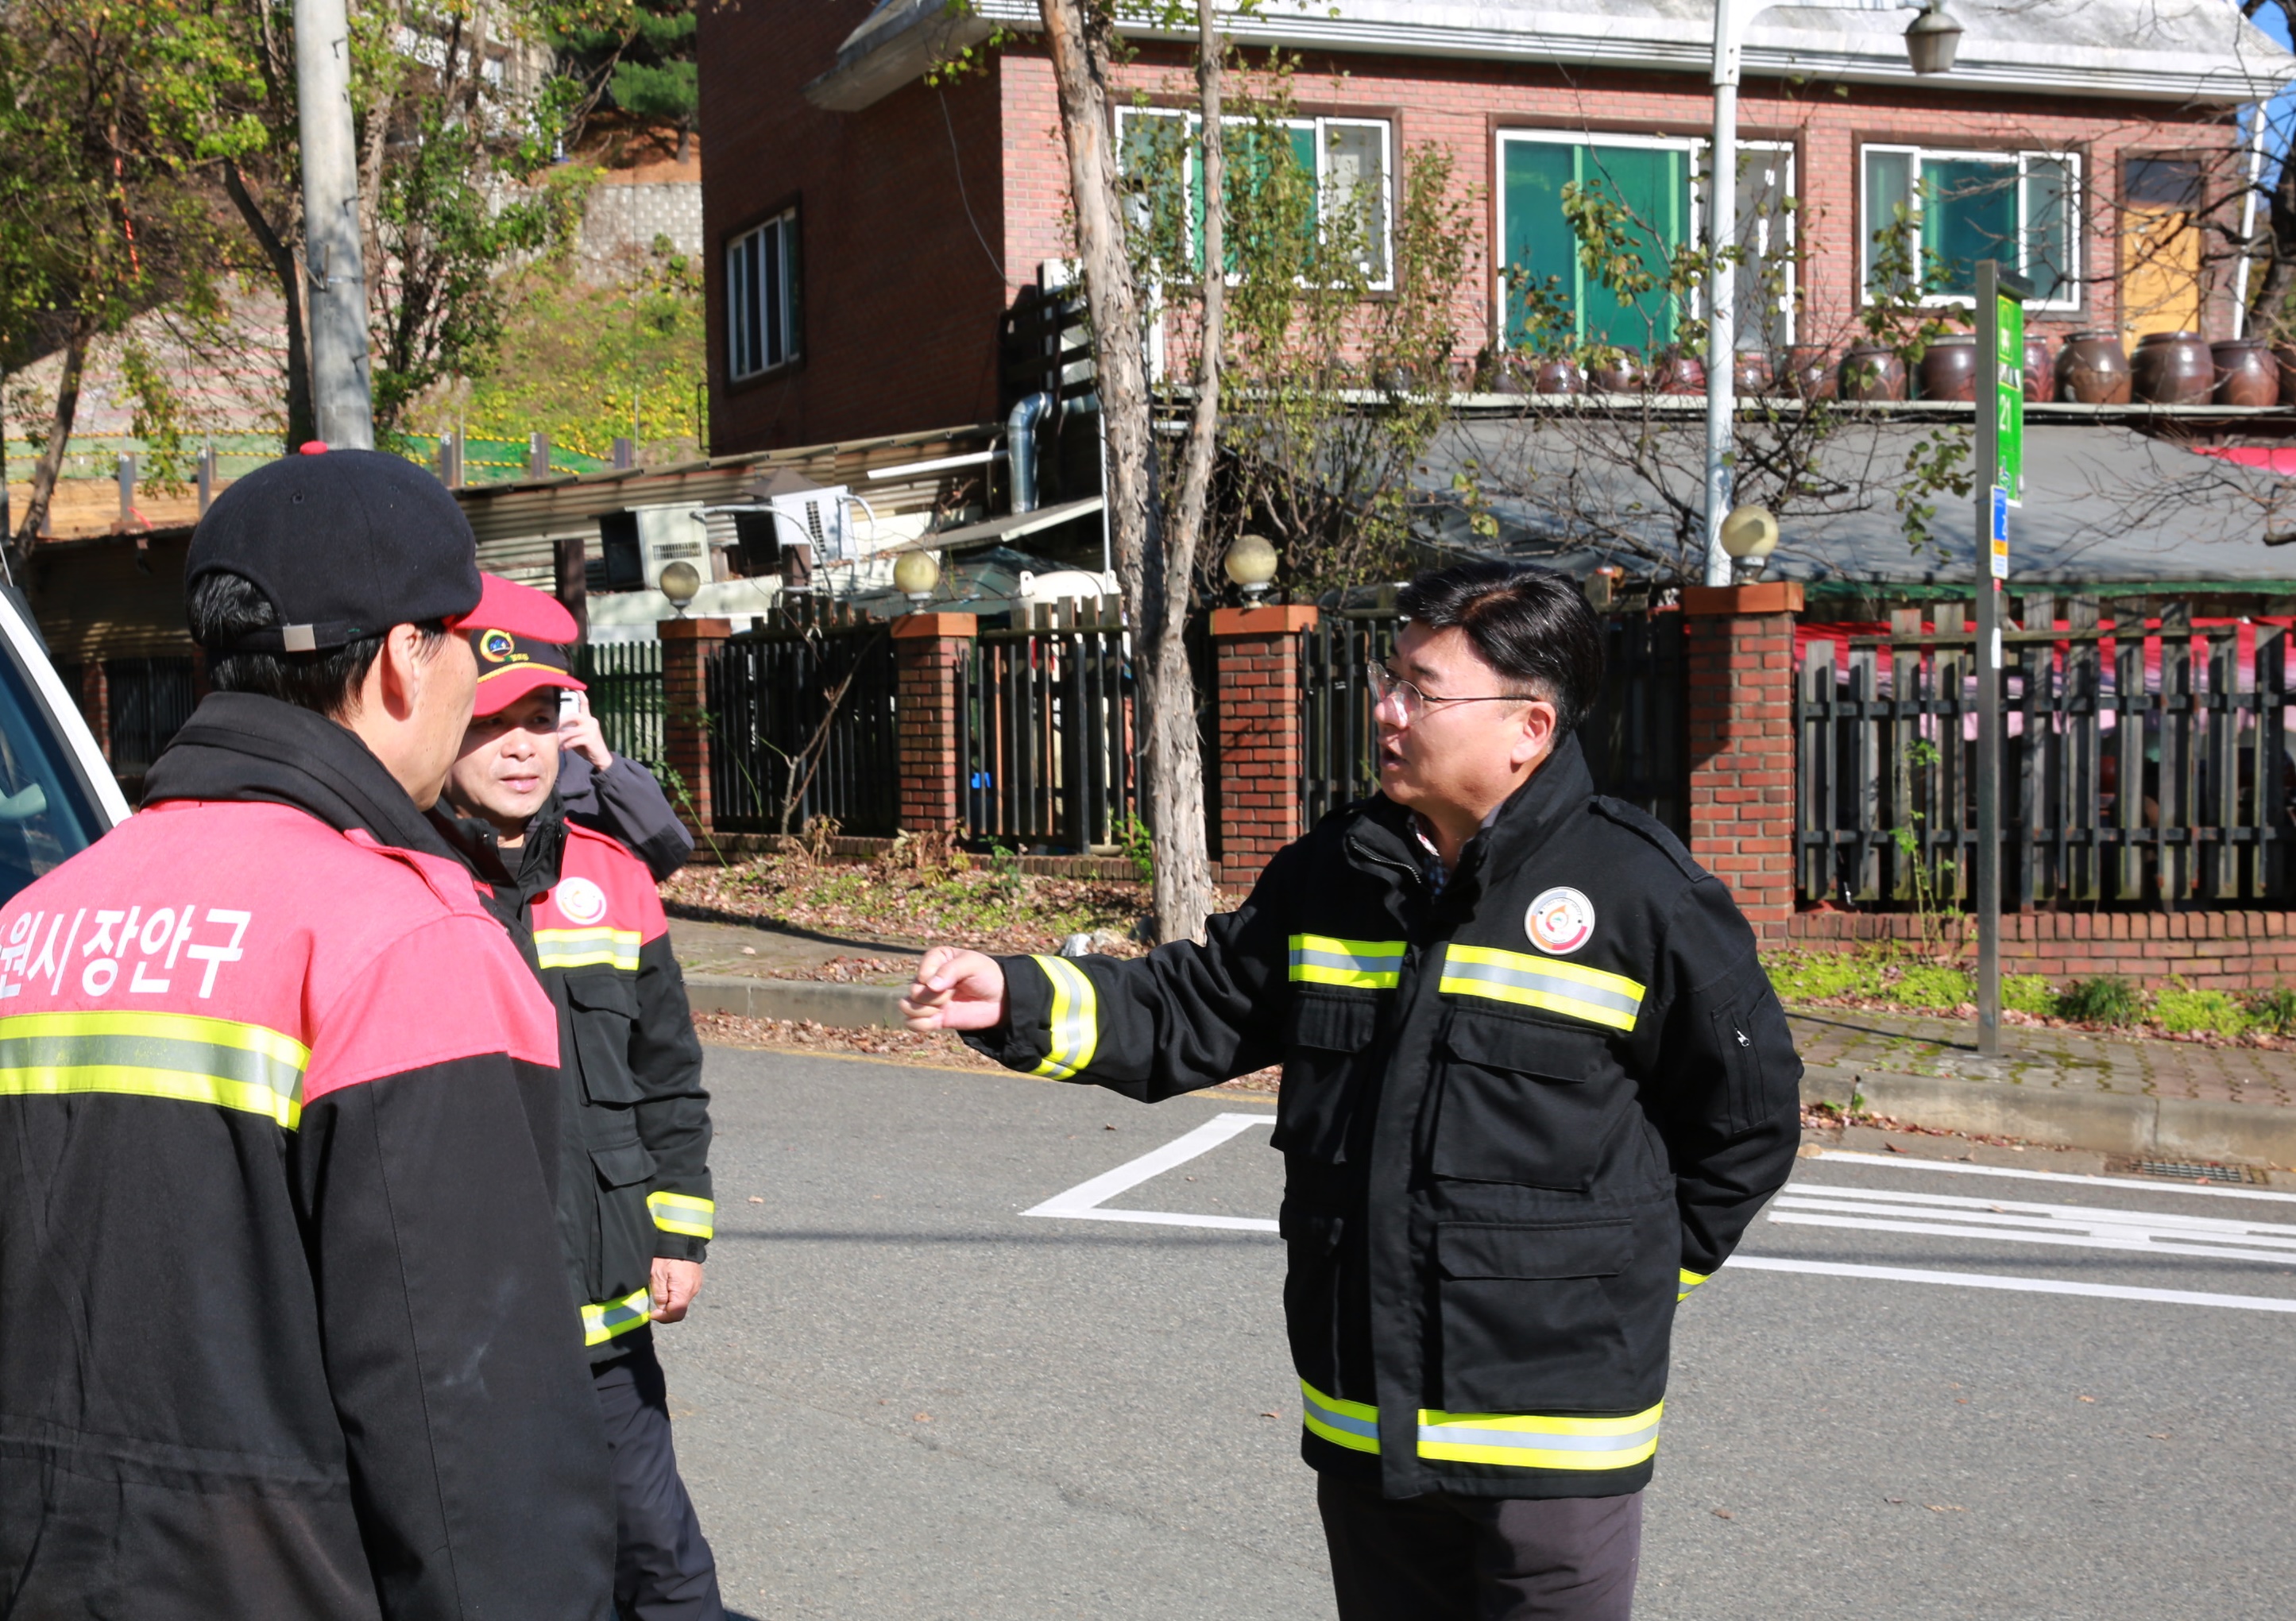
{"x":868,"y":228}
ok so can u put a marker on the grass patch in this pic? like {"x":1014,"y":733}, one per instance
{"x":2106,"y":999}
{"x":2028,"y":993}
{"x":1928,"y":985}
{"x":2275,"y":1010}
{"x":1809,"y":976}
{"x":2181,"y":1011}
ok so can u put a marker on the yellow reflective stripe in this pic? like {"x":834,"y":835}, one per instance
{"x":1516,"y":1440}
{"x":1371,"y":964}
{"x":1691,"y":1280}
{"x":184,"y":1057}
{"x":1526,"y":1442}
{"x":586,"y":948}
{"x":605,"y":1320}
{"x":680,"y":1213}
{"x":1544,"y":982}
{"x":1348,"y":1424}
{"x":1075,"y":1022}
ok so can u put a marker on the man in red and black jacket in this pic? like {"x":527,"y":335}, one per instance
{"x":635,"y":1207}
{"x":286,"y":1332}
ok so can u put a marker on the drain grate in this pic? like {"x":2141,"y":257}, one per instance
{"x":2190,"y":1170}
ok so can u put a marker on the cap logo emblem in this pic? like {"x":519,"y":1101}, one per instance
{"x":495,"y":646}
{"x":1560,"y":921}
{"x":580,"y":901}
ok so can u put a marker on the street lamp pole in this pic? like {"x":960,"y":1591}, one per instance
{"x":1731,"y":19}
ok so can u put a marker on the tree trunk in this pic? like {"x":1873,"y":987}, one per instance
{"x":1174,"y":787}
{"x":302,"y":419}
{"x":50,"y":467}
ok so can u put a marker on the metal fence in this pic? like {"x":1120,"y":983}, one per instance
{"x":2145,"y":763}
{"x":149,"y":700}
{"x":626,"y":695}
{"x":1045,"y":735}
{"x":1634,"y":734}
{"x":801,"y":722}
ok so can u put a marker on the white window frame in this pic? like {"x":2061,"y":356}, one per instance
{"x":2022,"y":157}
{"x":1697,"y":147}
{"x":743,"y":299}
{"x":1319,"y":125}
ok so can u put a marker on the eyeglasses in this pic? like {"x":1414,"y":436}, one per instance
{"x":1386,"y":684}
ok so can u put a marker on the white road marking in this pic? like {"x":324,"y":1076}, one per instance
{"x":1849,"y":1157}
{"x":1083,"y":1201}
{"x":1987,"y":1280}
{"x":2016,"y":1222}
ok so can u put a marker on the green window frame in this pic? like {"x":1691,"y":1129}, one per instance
{"x":2020,"y":207}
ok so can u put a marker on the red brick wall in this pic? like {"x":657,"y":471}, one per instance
{"x":929,"y":651}
{"x":1742,"y":745}
{"x":2208,"y":950}
{"x":1259,"y":721}
{"x":686,"y":647}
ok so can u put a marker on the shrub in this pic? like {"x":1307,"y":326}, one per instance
{"x":2028,"y":993}
{"x":2106,"y":999}
{"x":1925,"y":985}
{"x":2186,"y":1012}
{"x":2275,"y":1010}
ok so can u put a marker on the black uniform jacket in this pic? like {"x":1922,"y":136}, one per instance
{"x":286,"y":1336}
{"x":634,"y":1165}
{"x":1519,"y":1115}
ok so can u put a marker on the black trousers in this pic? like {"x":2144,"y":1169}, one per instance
{"x":663,"y":1570}
{"x":1440,"y":1557}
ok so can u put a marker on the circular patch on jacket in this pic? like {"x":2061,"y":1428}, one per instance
{"x":581,"y":901}
{"x":1560,"y":921}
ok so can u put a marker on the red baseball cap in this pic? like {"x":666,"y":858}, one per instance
{"x":520,"y":610}
{"x":517,"y":634}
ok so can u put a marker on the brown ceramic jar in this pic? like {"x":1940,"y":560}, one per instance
{"x":2038,"y":379}
{"x":1556,"y":374}
{"x":1805,"y":371}
{"x":2173,"y":368}
{"x":1871,"y":372}
{"x":2093,"y":369}
{"x":2246,"y":373}
{"x":2286,"y":355}
{"x":1680,"y":372}
{"x":1949,"y":368}
{"x":1620,"y":371}
{"x":1750,"y":374}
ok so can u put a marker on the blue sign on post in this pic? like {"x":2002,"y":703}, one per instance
{"x":2000,"y":533}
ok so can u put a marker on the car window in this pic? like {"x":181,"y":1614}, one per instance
{"x":46,"y":815}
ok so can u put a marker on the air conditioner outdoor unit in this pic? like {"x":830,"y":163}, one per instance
{"x":821,"y":519}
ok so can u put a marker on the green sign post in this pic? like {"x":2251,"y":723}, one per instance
{"x":2000,"y":315}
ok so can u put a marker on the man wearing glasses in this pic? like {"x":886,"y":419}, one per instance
{"x":1536,"y":1085}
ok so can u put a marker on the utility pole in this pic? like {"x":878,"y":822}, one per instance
{"x":333,"y":269}
{"x":2000,"y":481}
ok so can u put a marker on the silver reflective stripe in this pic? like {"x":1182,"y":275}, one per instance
{"x":1532,"y":1440}
{"x":1549,"y":984}
{"x":1322,"y":1413}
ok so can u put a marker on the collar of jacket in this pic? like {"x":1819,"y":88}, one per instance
{"x":530,"y":870}
{"x":240,"y":745}
{"x":1560,"y":786}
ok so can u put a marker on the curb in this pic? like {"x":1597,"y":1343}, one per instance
{"x":849,"y":1006}
{"x":2179,"y":1128}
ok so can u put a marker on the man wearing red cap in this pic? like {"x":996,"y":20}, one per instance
{"x":279,"y":1134}
{"x":634,"y":1190}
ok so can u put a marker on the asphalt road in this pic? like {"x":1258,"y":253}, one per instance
{"x":902,"y":1395}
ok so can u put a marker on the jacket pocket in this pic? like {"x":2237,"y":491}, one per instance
{"x":626,"y":1237}
{"x":1521,"y":1102}
{"x":1311,"y":1289}
{"x":1328,"y":1033}
{"x":1527,"y":1317}
{"x":624,"y":1165}
{"x":604,"y":1005}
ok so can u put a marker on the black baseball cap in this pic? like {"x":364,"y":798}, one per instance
{"x":344,"y":543}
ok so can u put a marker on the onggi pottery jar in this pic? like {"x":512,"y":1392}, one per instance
{"x":2093,"y":369}
{"x":1679,"y":373}
{"x":2285,"y":354}
{"x":2173,"y":368}
{"x":1618,"y":371}
{"x":1750,"y":374}
{"x":2246,"y":374}
{"x":1556,"y":374}
{"x":1949,"y":367}
{"x":1871,"y":372}
{"x":1806,"y":372}
{"x":2038,"y":382}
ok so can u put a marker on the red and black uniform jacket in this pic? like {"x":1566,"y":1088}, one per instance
{"x":286,"y":1332}
{"x":1523,"y":1110}
{"x":634,"y":1137}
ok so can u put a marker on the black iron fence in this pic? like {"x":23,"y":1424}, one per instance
{"x":1047,"y":740}
{"x":1634,"y":735}
{"x":2144,"y":762}
{"x":625,"y":696}
{"x":801,"y":724}
{"x":149,"y":700}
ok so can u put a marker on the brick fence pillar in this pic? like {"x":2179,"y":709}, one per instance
{"x":1741,"y":744}
{"x":687,"y":646}
{"x":930,"y":653}
{"x":1260,"y":745}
